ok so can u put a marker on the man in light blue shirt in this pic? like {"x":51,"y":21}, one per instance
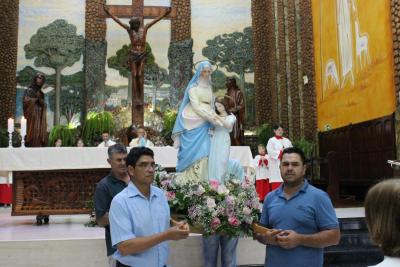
{"x":140,"y":217}
{"x":301,"y":218}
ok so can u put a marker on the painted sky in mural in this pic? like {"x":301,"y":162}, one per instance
{"x":209,"y":18}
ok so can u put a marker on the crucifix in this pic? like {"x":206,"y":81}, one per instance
{"x":137,"y":33}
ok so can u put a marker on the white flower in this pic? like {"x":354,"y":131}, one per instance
{"x":246,"y":211}
{"x":200,"y":190}
{"x":211,"y":203}
{"x":222,"y":190}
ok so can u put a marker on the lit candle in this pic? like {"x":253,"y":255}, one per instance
{"x":10,"y":125}
{"x":23,"y":126}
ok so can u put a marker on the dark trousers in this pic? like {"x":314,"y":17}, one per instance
{"x":121,"y":264}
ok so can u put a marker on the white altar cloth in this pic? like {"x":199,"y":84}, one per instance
{"x":64,"y":158}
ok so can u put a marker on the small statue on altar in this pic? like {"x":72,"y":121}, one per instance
{"x":35,"y":112}
{"x":141,"y":139}
{"x":237,"y":108}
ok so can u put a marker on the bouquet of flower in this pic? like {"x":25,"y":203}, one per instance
{"x":228,"y":208}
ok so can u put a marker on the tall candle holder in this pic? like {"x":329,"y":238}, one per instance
{"x":10,"y":130}
{"x":23,"y":140}
{"x":10,"y":140}
{"x":23,"y":131}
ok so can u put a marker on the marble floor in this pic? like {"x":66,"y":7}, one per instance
{"x":66,"y":238}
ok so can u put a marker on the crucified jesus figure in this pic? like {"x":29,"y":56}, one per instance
{"x":137,"y":57}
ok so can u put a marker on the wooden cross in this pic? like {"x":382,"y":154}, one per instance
{"x":137,"y":9}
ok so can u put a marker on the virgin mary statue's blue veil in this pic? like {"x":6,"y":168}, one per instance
{"x":195,"y":143}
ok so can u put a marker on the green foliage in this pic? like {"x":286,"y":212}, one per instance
{"x":264,"y":132}
{"x":65,"y":132}
{"x":120,"y":60}
{"x":24,"y":76}
{"x":55,"y":46}
{"x":169,"y":118}
{"x":232,"y":51}
{"x":95,"y":124}
{"x":306,"y":146}
{"x":218,"y":80}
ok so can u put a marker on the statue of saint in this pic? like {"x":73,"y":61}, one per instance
{"x":237,"y":108}
{"x":35,"y":112}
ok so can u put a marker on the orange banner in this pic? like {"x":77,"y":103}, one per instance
{"x":353,"y":61}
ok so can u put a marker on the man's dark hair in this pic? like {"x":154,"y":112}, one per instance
{"x":276,"y":126}
{"x":136,"y":153}
{"x":105,"y":131}
{"x":117,"y":148}
{"x":296,"y":150}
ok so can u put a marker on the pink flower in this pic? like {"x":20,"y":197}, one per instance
{"x":214,"y":184}
{"x":215,"y":223}
{"x":165,"y":183}
{"x":229,"y":211}
{"x":246,"y":183}
{"x":170,"y":195}
{"x":233,"y":221}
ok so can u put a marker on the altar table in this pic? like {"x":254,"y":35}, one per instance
{"x":62,"y":180}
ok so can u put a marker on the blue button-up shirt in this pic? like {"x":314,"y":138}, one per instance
{"x":133,"y":215}
{"x":309,"y":211}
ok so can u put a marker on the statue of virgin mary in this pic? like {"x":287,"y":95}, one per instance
{"x":196,"y":116}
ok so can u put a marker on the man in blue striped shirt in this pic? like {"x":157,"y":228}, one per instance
{"x":140,"y":216}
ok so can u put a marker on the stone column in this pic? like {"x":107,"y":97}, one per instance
{"x":395,"y":11}
{"x":180,"y":52}
{"x":8,"y":58}
{"x":264,"y":54}
{"x":94,"y":60}
{"x":283,"y":54}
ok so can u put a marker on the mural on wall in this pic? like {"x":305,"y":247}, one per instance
{"x":65,"y":82}
{"x":353,"y":61}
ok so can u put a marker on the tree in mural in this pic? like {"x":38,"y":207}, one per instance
{"x":155,"y":76}
{"x":71,"y":102}
{"x":55,"y":46}
{"x":233,"y":52}
{"x":218,"y":78}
